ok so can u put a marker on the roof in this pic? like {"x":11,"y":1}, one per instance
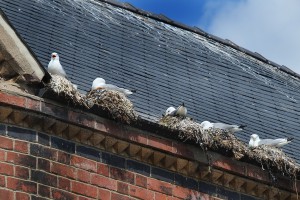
{"x":16,"y":58}
{"x":168,"y":63}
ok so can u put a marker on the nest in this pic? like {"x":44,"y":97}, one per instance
{"x":226,"y":143}
{"x":65,"y":88}
{"x":115,"y":103}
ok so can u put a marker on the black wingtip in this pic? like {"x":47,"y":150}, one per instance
{"x":289,"y":138}
{"x":133,"y":91}
{"x":182,"y":104}
{"x":242,"y":126}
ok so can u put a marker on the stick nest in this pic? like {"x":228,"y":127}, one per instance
{"x":115,"y":103}
{"x":64,"y":87}
{"x":226,"y":143}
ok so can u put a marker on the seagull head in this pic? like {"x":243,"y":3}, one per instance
{"x":54,"y":56}
{"x":254,"y":137}
{"x":97,"y":83}
{"x":170,"y":110}
{"x":206,"y":125}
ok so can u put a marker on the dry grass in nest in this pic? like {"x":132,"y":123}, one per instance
{"x":115,"y":103}
{"x":226,"y":142}
{"x":62,"y":86}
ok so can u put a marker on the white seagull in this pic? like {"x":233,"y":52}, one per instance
{"x":255,"y":141}
{"x":227,"y":127}
{"x":54,"y":66}
{"x":99,"y":83}
{"x":180,"y":111}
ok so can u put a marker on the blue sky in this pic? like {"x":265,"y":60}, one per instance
{"x":269,"y":27}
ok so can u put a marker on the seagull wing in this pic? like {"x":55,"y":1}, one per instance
{"x":224,"y":126}
{"x":116,"y":88}
{"x":273,"y":142}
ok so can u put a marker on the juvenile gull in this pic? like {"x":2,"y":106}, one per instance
{"x":227,"y":127}
{"x":54,"y":66}
{"x":255,"y":141}
{"x":99,"y":83}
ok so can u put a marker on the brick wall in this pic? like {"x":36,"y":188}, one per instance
{"x":35,"y":165}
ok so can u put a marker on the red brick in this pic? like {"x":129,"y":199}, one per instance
{"x":63,"y":157}
{"x":140,"y":193}
{"x":159,"y":186}
{"x":6,"y":194}
{"x":22,"y":196}
{"x":2,"y":181}
{"x":136,"y":136}
{"x":21,"y":172}
{"x":102,"y":169}
{"x":44,"y":190}
{"x":103,"y":194}
{"x":2,"y":155}
{"x":84,"y":189}
{"x":141,"y":181}
{"x":84,"y":163}
{"x":63,"y":170}
{"x":83,"y":198}
{"x":121,"y":174}
{"x":161,"y":144}
{"x":114,"y":129}
{"x":115,"y":196}
{"x":6,"y":169}
{"x":257,"y":173}
{"x":183,"y":193}
{"x":64,"y":183}
{"x":80,"y":118}
{"x":159,"y":196}
{"x":44,"y":164}
{"x":33,"y":104}
{"x":62,"y":195}
{"x":123,"y":188}
{"x":83,"y":176}
{"x":12,"y":100}
{"x":228,"y":164}
{"x":182,"y":150}
{"x":6,"y":143}
{"x":21,"y":185}
{"x":103,"y":182}
{"x":21,"y":146}
{"x":21,"y":159}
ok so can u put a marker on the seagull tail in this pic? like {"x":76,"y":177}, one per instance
{"x":242,"y":126}
{"x":289,"y":139}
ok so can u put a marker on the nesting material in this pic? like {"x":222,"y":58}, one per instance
{"x":62,"y":86}
{"x":225,"y":142}
{"x":117,"y":105}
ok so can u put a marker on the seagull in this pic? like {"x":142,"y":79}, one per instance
{"x":170,"y":110}
{"x":255,"y":141}
{"x":99,"y":83}
{"x":231,"y":128}
{"x":180,"y":111}
{"x":54,"y":66}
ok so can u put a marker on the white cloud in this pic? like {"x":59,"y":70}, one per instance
{"x":269,"y":27}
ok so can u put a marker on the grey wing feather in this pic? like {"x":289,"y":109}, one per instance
{"x":272,"y":142}
{"x":224,"y":126}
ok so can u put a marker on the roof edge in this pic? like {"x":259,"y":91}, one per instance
{"x":19,"y":55}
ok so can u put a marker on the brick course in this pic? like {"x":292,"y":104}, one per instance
{"x":54,"y":172}
{"x":36,"y":165}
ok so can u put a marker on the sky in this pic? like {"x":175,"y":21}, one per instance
{"x":269,"y":27}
